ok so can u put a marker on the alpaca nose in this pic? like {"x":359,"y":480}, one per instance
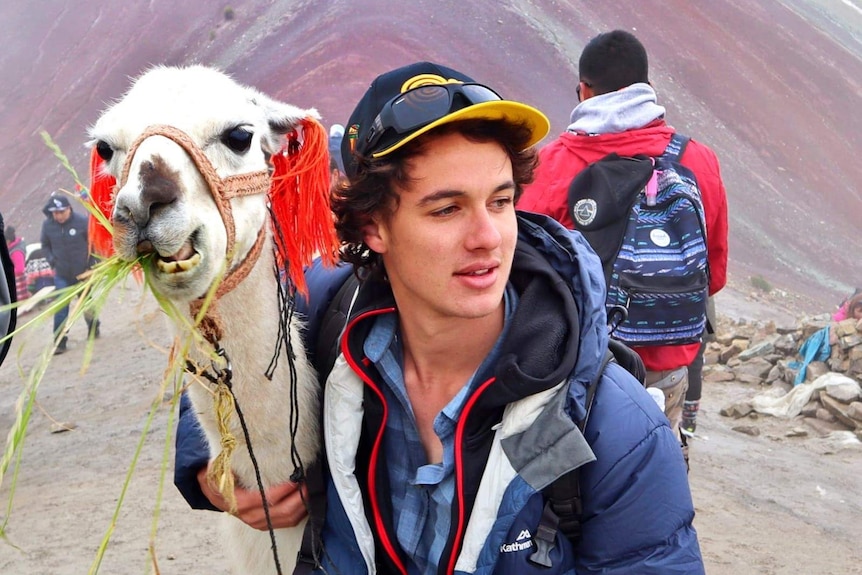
{"x":159,"y":185}
{"x":158,"y":188}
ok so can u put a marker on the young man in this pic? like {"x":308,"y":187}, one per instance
{"x":464,"y":363}
{"x":64,"y":240}
{"x":617,"y":112}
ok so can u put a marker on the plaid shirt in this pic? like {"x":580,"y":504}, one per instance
{"x":421,"y":492}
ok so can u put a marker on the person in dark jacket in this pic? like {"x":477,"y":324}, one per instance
{"x":464,"y":364}
{"x":64,"y":239}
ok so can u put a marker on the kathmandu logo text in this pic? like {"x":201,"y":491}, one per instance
{"x":524,"y":541}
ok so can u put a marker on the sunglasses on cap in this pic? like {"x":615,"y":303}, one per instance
{"x":425,"y":104}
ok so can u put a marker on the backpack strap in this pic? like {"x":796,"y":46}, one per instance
{"x":332,"y":325}
{"x":328,"y":335}
{"x":311,"y":548}
{"x":676,"y":147}
{"x":563,"y":508}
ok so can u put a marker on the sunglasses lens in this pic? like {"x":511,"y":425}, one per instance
{"x":420,"y":106}
{"x":478,"y":94}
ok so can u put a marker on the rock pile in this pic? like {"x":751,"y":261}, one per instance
{"x":767,"y":355}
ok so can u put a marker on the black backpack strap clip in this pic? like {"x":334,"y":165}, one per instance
{"x":311,"y":548}
{"x":545,"y":538}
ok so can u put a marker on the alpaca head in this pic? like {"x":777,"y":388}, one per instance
{"x":189,"y":155}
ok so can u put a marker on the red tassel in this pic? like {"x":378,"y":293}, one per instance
{"x":302,"y":221}
{"x":102,"y":187}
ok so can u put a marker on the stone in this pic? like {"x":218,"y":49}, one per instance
{"x":845,"y":327}
{"x":824,"y":414}
{"x":748,"y":379}
{"x":711,"y":357}
{"x":751,"y":430}
{"x":810,"y":327}
{"x":845,"y":392}
{"x":786,"y":345}
{"x":773,"y":375}
{"x":839,"y":410}
{"x":815,"y":369}
{"x":854,"y":411}
{"x":797,"y":432}
{"x":849,"y":341}
{"x":716,"y":375}
{"x":821,"y":428}
{"x":810,"y":409}
{"x":759,"y":349}
{"x":63,"y":427}
{"x":736,"y":347}
{"x":786,"y":329}
{"x":737,"y":410}
{"x":790,"y":375}
{"x":757,"y":367}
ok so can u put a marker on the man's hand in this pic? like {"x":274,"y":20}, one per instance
{"x":286,"y":508}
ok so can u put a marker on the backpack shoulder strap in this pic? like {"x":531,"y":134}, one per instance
{"x":332,"y":325}
{"x":564,"y":507}
{"x":676,"y":147}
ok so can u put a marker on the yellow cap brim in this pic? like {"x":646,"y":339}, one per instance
{"x":495,"y":110}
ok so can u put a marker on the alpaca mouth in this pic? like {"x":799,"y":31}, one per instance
{"x":185,"y":259}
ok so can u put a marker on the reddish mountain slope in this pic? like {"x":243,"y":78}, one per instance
{"x":773,"y":86}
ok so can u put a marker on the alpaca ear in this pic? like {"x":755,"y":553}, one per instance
{"x":302,"y":222}
{"x":102,"y":185}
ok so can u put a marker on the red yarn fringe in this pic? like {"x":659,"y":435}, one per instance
{"x":102,"y":187}
{"x":302,"y":223}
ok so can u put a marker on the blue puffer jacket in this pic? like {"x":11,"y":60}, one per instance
{"x":518,"y":435}
{"x":638,"y":511}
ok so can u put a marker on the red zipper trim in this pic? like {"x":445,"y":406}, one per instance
{"x":375,"y":452}
{"x":459,"y":472}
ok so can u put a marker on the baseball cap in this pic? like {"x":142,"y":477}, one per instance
{"x":58,"y":203}
{"x":405,"y":103}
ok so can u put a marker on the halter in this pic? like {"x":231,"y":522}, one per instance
{"x":222,"y":191}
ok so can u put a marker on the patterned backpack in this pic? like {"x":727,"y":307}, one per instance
{"x":644,"y":217}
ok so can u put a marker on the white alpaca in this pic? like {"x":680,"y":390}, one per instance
{"x":207,"y":132}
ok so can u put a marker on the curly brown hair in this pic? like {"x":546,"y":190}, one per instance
{"x":372,"y":190}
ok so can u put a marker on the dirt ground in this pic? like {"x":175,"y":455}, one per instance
{"x":775,"y":504}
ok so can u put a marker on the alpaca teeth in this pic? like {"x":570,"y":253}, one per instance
{"x":178,"y":266}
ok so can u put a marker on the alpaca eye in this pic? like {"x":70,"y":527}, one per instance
{"x":104,"y":150}
{"x":237,"y":139}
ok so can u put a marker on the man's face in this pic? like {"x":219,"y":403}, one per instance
{"x":449,"y":244}
{"x":61,"y":216}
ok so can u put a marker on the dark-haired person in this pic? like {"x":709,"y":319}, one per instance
{"x":464,"y":363}
{"x":18,"y":253}
{"x":617,"y":111}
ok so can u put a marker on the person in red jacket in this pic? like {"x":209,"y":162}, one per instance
{"x":617,"y":112}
